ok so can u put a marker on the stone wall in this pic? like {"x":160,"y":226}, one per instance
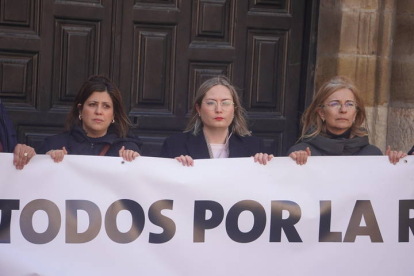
{"x":401,"y":112}
{"x":355,"y":39}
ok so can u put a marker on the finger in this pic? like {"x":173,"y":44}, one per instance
{"x":293,"y":156}
{"x":130,"y":155}
{"x":256,"y":156}
{"x":387,"y":152}
{"x":135,"y":155}
{"x":308,"y":151}
{"x":265,"y":158}
{"x":190,"y":161}
{"x":121,"y":151}
{"x":260,"y":158}
{"x":64,"y":150}
{"x":181,"y":159}
{"x":271,"y":157}
{"x":305,"y":157}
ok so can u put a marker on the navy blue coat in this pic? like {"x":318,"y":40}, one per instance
{"x":411,"y":151}
{"x":196,"y":147}
{"x":76,"y":142}
{"x":8,"y":137}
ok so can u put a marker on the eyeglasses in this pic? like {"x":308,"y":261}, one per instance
{"x":212,"y":105}
{"x":337,"y":105}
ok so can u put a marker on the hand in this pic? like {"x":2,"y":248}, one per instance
{"x":262,"y":158}
{"x":300,"y":156}
{"x":22,"y":155}
{"x":394,"y":156}
{"x":185,"y":160}
{"x":128,"y":155}
{"x":57,"y":155}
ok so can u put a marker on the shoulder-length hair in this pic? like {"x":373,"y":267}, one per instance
{"x":312,"y":122}
{"x":100,"y":84}
{"x":239,"y":123}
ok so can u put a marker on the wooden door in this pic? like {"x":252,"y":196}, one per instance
{"x":170,"y":47}
{"x":158,"y":52}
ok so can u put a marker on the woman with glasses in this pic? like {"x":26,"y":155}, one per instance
{"x":217,"y":128}
{"x":333,"y":125}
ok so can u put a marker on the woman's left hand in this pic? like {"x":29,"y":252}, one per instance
{"x":262,"y":158}
{"x":394,"y":156}
{"x":128,"y":155}
{"x":22,"y":155}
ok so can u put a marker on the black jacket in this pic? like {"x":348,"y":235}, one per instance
{"x":196,"y":147}
{"x":325,"y":146}
{"x":411,"y":151}
{"x":76,"y":142}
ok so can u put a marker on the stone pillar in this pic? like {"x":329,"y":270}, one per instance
{"x":355,"y":40}
{"x":401,"y":112}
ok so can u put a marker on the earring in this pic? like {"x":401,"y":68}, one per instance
{"x":80,"y":117}
{"x":113,"y":120}
{"x":199,"y":115}
{"x":323,"y":120}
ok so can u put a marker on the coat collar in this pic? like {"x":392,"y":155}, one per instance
{"x":197,"y":146}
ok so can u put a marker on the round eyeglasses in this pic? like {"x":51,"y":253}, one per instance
{"x":337,"y":105}
{"x":212,"y":105}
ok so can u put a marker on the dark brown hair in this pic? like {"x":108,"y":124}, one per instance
{"x":100,"y":84}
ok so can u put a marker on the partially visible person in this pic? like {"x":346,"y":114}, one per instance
{"x":217,"y":128}
{"x":8,"y":141}
{"x":96,"y":125}
{"x":411,"y":152}
{"x":333,"y":125}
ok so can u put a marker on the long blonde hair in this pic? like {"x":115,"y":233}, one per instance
{"x":239,"y":123}
{"x":312,"y":122}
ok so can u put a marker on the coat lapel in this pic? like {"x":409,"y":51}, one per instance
{"x":197,"y":146}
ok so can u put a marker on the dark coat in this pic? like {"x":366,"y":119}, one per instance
{"x":196,"y":147}
{"x":325,"y":146}
{"x":8,"y":139}
{"x":411,"y":151}
{"x":76,"y":142}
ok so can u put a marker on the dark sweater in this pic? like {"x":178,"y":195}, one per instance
{"x":78,"y":143}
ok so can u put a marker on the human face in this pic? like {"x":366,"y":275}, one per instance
{"x":338,"y":120}
{"x":216,"y":118}
{"x":97,"y":114}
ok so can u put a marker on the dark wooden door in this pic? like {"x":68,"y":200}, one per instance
{"x":158,"y":52}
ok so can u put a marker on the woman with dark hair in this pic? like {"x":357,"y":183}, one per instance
{"x":96,"y":125}
{"x":217,"y":128}
{"x":333,"y":125}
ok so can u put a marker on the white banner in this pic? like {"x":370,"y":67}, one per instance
{"x":102,"y":216}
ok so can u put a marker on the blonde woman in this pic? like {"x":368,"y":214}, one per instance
{"x":217,"y":128}
{"x":333,"y":125}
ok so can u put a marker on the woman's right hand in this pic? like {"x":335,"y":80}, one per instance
{"x":185,"y":160}
{"x":57,"y":155}
{"x":300,"y":156}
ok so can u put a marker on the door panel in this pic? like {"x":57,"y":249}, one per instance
{"x":158,"y":52}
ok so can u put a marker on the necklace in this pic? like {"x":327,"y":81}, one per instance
{"x":225,"y":148}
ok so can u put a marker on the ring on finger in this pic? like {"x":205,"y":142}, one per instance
{"x":25,"y":154}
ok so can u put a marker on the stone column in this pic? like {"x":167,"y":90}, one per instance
{"x":355,"y":40}
{"x":401,"y":112}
